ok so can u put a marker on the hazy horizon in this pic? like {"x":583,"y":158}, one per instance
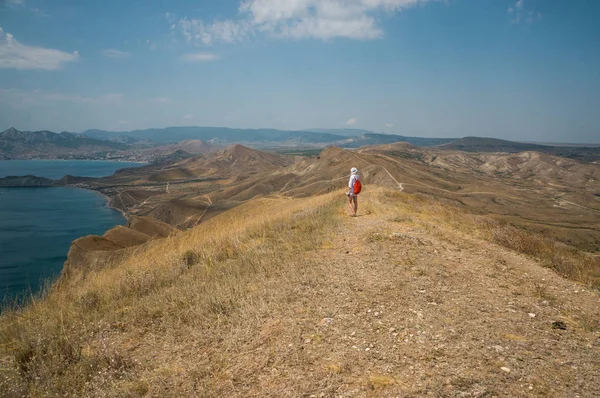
{"x":519,"y":70}
{"x":330,"y":130}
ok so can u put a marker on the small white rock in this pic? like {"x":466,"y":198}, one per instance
{"x":392,"y":330}
{"x":505,"y":369}
{"x":531,"y":315}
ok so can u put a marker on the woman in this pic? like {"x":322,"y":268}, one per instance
{"x":352,"y":196}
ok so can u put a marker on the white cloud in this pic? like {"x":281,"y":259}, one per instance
{"x":112,"y":53}
{"x":351,"y":122}
{"x":188,"y":116}
{"x":200,"y":57}
{"x":297,"y":19}
{"x":227,"y":31}
{"x":389,"y":125}
{"x":14,"y":55}
{"x":520,"y":13}
{"x":123,"y":121}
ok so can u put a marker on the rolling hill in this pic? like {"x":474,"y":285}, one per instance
{"x":239,"y":273}
{"x":290,"y":297}
{"x":536,"y":191}
{"x":478,"y":144}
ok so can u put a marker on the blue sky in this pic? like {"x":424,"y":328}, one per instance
{"x":525,"y":70}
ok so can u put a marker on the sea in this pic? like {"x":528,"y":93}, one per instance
{"x":37,"y":225}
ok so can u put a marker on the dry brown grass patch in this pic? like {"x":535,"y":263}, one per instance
{"x":70,"y":340}
{"x":566,"y":260}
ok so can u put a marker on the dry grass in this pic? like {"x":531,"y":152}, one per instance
{"x":568,"y":261}
{"x":202,"y":313}
{"x":74,"y":342}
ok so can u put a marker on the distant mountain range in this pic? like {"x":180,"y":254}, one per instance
{"x":15,"y":144}
{"x":153,"y":145}
{"x":262,"y":137}
{"x":219,"y":135}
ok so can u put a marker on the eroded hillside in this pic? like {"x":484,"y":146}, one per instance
{"x":290,"y":297}
{"x":555,"y":196}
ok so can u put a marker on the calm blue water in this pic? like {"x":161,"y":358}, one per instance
{"x":37,"y":225}
{"x":56,"y":169}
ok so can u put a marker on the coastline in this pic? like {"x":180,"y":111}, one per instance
{"x":53,"y":168}
{"x":33,"y":286}
{"x":108,"y":200}
{"x":106,"y":197}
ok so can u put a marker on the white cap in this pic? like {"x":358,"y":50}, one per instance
{"x":354,"y":170}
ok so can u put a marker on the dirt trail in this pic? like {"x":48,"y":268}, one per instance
{"x":405,"y":310}
{"x":400,"y":186}
{"x":198,"y":215}
{"x":386,"y":304}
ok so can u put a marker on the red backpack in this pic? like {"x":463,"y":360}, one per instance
{"x":357,"y":187}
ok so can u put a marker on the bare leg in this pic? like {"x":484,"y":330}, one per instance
{"x":355,"y":202}
{"x":350,"y":205}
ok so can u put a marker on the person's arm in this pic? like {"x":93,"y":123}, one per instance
{"x":351,"y":184}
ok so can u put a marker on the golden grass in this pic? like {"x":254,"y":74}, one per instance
{"x":66,"y":343}
{"x":181,"y":315}
{"x":569,"y":261}
{"x":377,"y":382}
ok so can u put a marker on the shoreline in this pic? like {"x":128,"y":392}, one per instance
{"x":106,"y":197}
{"x":7,"y":300}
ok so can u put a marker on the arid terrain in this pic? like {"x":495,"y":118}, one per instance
{"x":240,"y":273}
{"x":556,"y":196}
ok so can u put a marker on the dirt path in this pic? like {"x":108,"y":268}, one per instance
{"x":386,"y":304}
{"x":411,"y":312}
{"x":199,"y":215}
{"x":400,"y":186}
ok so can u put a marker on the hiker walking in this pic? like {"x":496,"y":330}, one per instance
{"x":355,"y":187}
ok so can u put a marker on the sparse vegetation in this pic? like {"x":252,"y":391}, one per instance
{"x":64,"y":344}
{"x":568,"y":261}
{"x":235,"y":306}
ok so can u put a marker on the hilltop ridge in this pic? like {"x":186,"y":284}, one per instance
{"x":281,"y":297}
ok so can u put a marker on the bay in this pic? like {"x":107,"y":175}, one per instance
{"x":37,"y":225}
